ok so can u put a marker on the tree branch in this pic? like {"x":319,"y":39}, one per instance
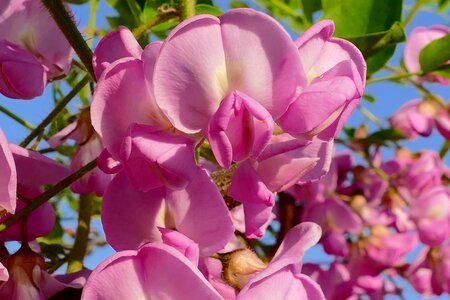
{"x":58,"y":108}
{"x":76,"y":255}
{"x":65,"y":22}
{"x":44,"y":197}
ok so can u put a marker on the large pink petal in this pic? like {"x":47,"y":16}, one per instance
{"x":284,"y":284}
{"x":35,"y":169}
{"x":120,"y":99}
{"x":130,"y":217}
{"x":240,"y":128}
{"x":299,"y":239}
{"x":167,"y":156}
{"x":262,"y":61}
{"x":21,"y":75}
{"x":190,"y":77}
{"x":28,"y":24}
{"x":200,"y":213}
{"x":113,"y":46}
{"x":417,"y":40}
{"x":8,"y":176}
{"x":155,"y":271}
{"x":39,"y":223}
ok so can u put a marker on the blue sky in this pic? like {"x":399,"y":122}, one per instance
{"x":390,"y":96}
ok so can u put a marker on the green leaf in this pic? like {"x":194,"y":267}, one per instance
{"x":369,"y":98}
{"x":309,"y":7}
{"x":365,"y":22}
{"x":208,"y":9}
{"x":435,"y":54}
{"x":76,"y":1}
{"x":443,"y":71}
{"x":238,"y":4}
{"x":381,"y":137}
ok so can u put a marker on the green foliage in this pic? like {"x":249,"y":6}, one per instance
{"x":208,"y":9}
{"x":435,"y":54}
{"x":309,"y":7}
{"x":366,"y":22}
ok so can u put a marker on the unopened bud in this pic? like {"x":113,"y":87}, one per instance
{"x":240,"y":266}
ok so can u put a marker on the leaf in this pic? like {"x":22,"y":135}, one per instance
{"x":372,"y":43}
{"x":435,"y":54}
{"x":443,"y":71}
{"x":369,"y":98}
{"x":238,"y":4}
{"x":365,"y":22}
{"x":76,"y":1}
{"x":208,"y":9}
{"x":309,"y":7}
{"x":381,"y":137}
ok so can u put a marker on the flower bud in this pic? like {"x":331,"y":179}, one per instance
{"x":21,"y":75}
{"x":240,"y":266}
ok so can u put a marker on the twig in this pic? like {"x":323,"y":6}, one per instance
{"x":58,"y":108}
{"x":44,"y":197}
{"x":78,"y":252}
{"x":69,"y":29}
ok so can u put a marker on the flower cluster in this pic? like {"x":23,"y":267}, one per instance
{"x":372,"y":217}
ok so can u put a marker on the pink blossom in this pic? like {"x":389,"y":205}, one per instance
{"x":33,"y":172}
{"x":25,"y":31}
{"x":205,"y":84}
{"x":8,"y":177}
{"x":154,"y":270}
{"x":417,"y":40}
{"x":131,"y":217}
{"x":419,"y":117}
{"x":335,"y":70}
{"x":431,"y":213}
{"x":115,"y":45}
{"x":284,"y":162}
{"x":282,"y":278}
{"x":89,"y":148}
{"x":29,"y":280}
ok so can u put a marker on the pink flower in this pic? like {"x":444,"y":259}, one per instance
{"x":335,"y":70}
{"x":414,"y":119}
{"x":431,"y":213}
{"x":227,"y":78}
{"x":89,"y":148}
{"x":33,"y":172}
{"x":28,"y":279}
{"x":28,"y":61}
{"x":8,"y":177}
{"x":154,"y":270}
{"x":282,"y":278}
{"x":419,"y":117}
{"x":283,"y":163}
{"x":131,"y":217}
{"x":417,"y":40}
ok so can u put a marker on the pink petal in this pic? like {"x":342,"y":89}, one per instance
{"x":190,"y":77}
{"x":130,"y":217}
{"x":111,"y":116}
{"x":8,"y":176}
{"x":21,"y":75}
{"x":168,"y":157}
{"x":39,"y":223}
{"x":185,"y":245}
{"x":240,"y":128}
{"x":28,"y":24}
{"x":262,"y":60}
{"x":113,"y":46}
{"x":200,"y":213}
{"x":143,"y":278}
{"x":284,"y":284}
{"x":247,"y":187}
{"x":35,"y":169}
